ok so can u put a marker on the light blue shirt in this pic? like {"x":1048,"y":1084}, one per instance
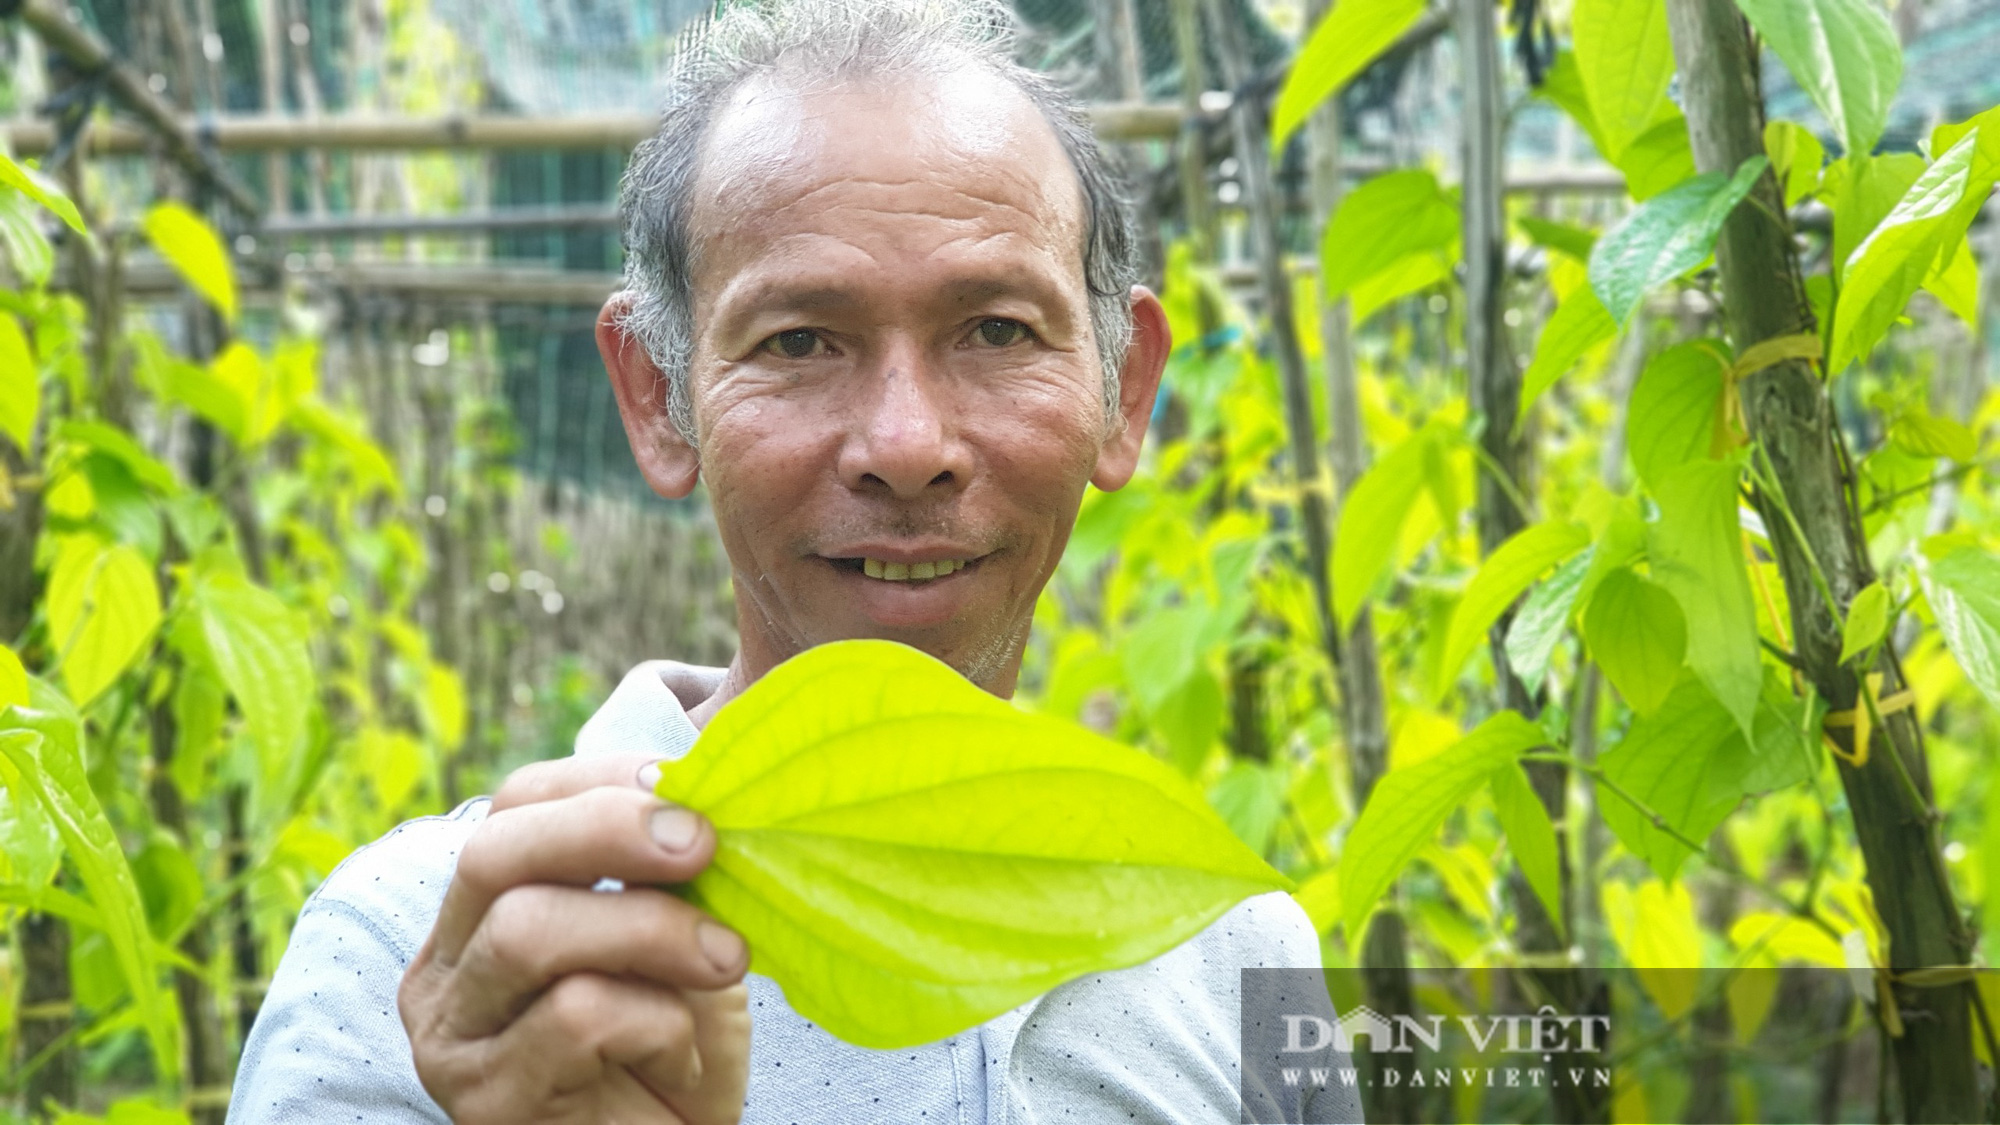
{"x":1157,"y":1042}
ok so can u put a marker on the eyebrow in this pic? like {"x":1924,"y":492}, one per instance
{"x":811,"y":298}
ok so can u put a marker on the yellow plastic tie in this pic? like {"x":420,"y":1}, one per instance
{"x":1858,"y":718}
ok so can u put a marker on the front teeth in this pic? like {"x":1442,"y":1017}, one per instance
{"x":907,"y":572}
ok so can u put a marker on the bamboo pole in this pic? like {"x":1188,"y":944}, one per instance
{"x":1790,"y":417}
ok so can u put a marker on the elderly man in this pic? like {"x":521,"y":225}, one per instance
{"x":881,"y":301}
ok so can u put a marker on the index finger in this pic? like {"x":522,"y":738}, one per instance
{"x":566,"y":777}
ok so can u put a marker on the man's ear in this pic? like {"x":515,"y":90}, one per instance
{"x":1138,"y":385}
{"x":665,"y":458}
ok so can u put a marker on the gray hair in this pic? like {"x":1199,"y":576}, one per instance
{"x":821,"y":40}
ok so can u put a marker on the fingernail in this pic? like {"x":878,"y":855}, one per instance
{"x":722,"y":946}
{"x":649,"y":775}
{"x":674,"y":828}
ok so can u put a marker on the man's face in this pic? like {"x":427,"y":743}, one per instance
{"x":896,"y":390}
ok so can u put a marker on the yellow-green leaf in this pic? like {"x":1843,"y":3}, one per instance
{"x":1531,"y":835}
{"x":257,"y":647}
{"x":103,"y":606}
{"x":1383,"y":221}
{"x":1843,"y":53}
{"x":1954,"y":281}
{"x":1666,"y":236}
{"x":1924,"y":434}
{"x":20,"y":384}
{"x":195,"y":251}
{"x":1351,"y":36}
{"x":1409,"y":805}
{"x":13,"y":679}
{"x":1867,"y":621}
{"x":1371,"y":522}
{"x":38,"y":187}
{"x":1625,"y":60}
{"x":909,"y":856}
{"x":1796,"y":156}
{"x":1510,"y":570}
{"x":1578,"y":324}
{"x":1885,"y":271}
{"x":1696,"y":549}
{"x":1674,"y":408}
{"x":1638,"y":637}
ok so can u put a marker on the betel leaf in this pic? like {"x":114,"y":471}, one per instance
{"x":1861,"y":191}
{"x":1560,"y":237}
{"x":908,"y":856}
{"x":1413,"y":274}
{"x":1250,"y":798}
{"x":1625,"y":60}
{"x":1867,"y":621}
{"x":1843,"y":53}
{"x":1963,"y":589}
{"x":1578,"y":324}
{"x":1923,"y":434}
{"x":1886,"y":269}
{"x":192,"y":247}
{"x":103,"y":606}
{"x":1371,"y":522}
{"x":1353,"y":33}
{"x":20,"y":384}
{"x":1383,"y":221}
{"x":1409,"y":804}
{"x":1696,"y":548}
{"x":1531,"y":835}
{"x":1666,"y":236}
{"x":1796,"y":157}
{"x":1954,"y":281}
{"x":42,"y":190}
{"x":13,"y":679}
{"x":1538,"y":625}
{"x":257,"y":648}
{"x":41,"y":759}
{"x":1638,"y":637}
{"x":1671,"y":419}
{"x":1661,"y":157}
{"x":22,"y":239}
{"x":1511,"y":569}
{"x":1690,"y":763}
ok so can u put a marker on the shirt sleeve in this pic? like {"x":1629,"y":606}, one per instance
{"x":1160,"y":1042}
{"x":328,"y":1044}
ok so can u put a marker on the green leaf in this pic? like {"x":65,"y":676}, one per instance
{"x":1665,"y":237}
{"x":1885,"y":271}
{"x":1531,"y":836}
{"x":1560,"y":237}
{"x":1250,"y":798}
{"x":1513,"y":566}
{"x":1954,"y":281}
{"x":1843,"y":53}
{"x":1383,"y":221}
{"x":1963,"y":589}
{"x":103,"y":606}
{"x":1625,"y":60}
{"x":1409,"y":275}
{"x":1796,"y":156}
{"x":43,"y":190}
{"x":1578,"y":324}
{"x":13,"y":679}
{"x":1923,"y":434}
{"x":1189,"y":719}
{"x":1637,"y":635}
{"x":1696,"y":550}
{"x":41,"y":759}
{"x":27,"y":247}
{"x":899,"y":894}
{"x":257,"y":648}
{"x":1162,"y":651}
{"x":121,"y":447}
{"x":1371,"y":522}
{"x":1673,"y":414}
{"x":1690,"y":763}
{"x":20,"y":384}
{"x":1867,"y":621}
{"x":1409,"y":805}
{"x":1661,"y":157}
{"x":192,"y":247}
{"x":1539,"y":623}
{"x":1861,"y":191}
{"x":1351,"y":36}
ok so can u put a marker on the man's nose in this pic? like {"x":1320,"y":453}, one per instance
{"x":905,"y":437}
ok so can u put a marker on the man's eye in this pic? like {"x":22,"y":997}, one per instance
{"x":793,"y":343}
{"x":1000,"y":332}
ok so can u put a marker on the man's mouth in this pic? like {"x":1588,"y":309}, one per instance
{"x":889,"y":571}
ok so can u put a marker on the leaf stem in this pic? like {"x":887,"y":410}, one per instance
{"x":1770,"y":487}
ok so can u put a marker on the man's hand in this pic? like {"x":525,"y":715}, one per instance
{"x":539,"y":999}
